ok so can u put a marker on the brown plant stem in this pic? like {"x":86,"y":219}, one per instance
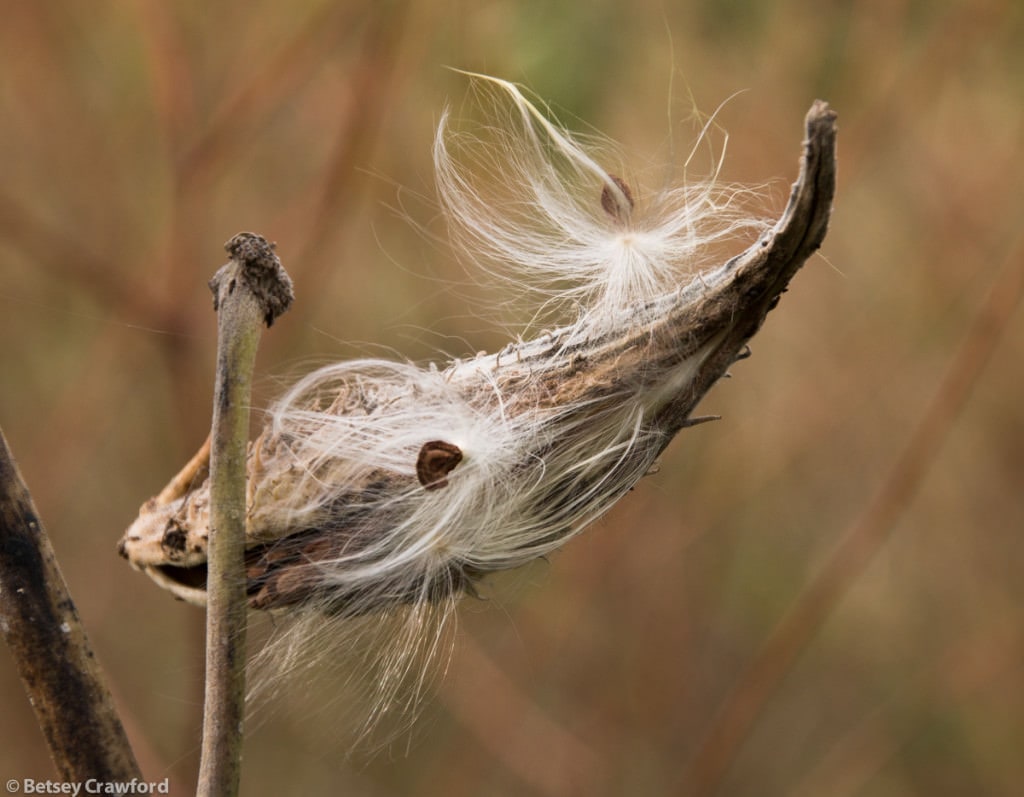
{"x":252,"y":289}
{"x":45,"y":635}
{"x":863,"y":539}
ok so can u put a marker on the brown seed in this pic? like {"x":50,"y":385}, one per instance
{"x":611,"y":203}
{"x":436,"y":460}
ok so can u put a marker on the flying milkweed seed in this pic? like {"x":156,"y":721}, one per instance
{"x":436,"y":460}
{"x":611,"y":203}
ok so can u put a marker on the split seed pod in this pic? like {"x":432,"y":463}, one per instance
{"x":384,"y":489}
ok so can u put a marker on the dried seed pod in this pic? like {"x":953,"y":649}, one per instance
{"x":346,"y":518}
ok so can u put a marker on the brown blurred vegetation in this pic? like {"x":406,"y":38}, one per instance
{"x":137,"y":137}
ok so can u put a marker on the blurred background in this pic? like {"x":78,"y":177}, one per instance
{"x":820,"y":594}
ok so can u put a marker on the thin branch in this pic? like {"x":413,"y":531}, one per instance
{"x":251,"y":290}
{"x":863,"y":539}
{"x":57,"y":666}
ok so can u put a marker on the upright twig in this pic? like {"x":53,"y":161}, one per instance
{"x":252,"y":289}
{"x":57,"y":666}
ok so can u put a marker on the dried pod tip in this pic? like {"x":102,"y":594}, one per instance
{"x":436,"y":460}
{"x":617,"y":204}
{"x":256,"y":263}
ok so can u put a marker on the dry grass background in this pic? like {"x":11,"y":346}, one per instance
{"x":136,"y":137}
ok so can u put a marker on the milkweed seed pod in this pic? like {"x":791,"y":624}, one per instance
{"x":382,"y":489}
